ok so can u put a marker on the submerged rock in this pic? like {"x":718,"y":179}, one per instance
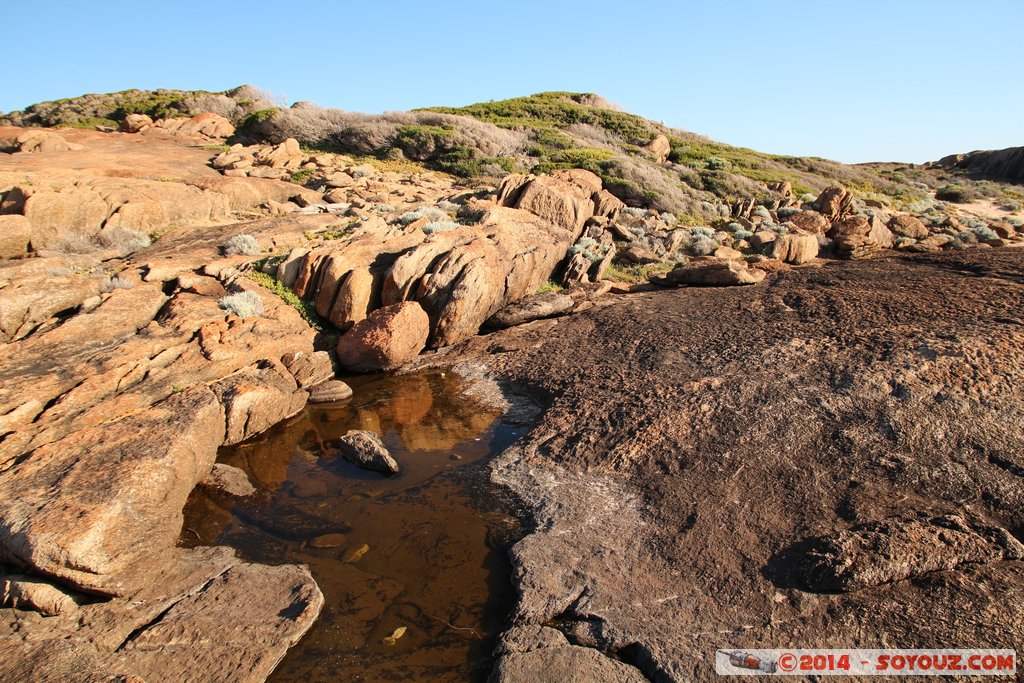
{"x":366,"y":450}
{"x":331,"y":390}
{"x":230,"y":480}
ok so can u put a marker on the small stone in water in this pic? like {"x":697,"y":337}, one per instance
{"x":357,"y":554}
{"x":395,"y":635}
{"x":455,"y":456}
{"x":329,"y":541}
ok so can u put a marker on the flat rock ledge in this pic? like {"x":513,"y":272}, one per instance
{"x":96,"y":465}
{"x":207,"y":616}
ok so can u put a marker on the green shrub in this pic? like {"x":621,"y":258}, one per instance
{"x":256,"y":118}
{"x":302,"y":176}
{"x":555,"y":110}
{"x":305,"y":309}
{"x":717,"y":164}
{"x":440,"y":226}
{"x":553,"y":139}
{"x":422,"y":142}
{"x":958,"y":194}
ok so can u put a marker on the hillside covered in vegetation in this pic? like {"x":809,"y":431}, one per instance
{"x":642,"y":162}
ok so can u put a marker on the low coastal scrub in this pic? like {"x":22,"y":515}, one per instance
{"x":306,"y":310}
{"x":957,"y":194}
{"x":242,"y":244}
{"x":243,"y":304}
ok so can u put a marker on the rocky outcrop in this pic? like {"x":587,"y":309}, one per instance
{"x":835,"y":203}
{"x":460,"y":277}
{"x":117,"y":524}
{"x":309,"y":369}
{"x":856,"y":247}
{"x":256,"y":399}
{"x":565,"y":198}
{"x":203,"y":614}
{"x":206,"y":126}
{"x":1006,"y":165}
{"x":810,"y":221}
{"x":43,"y":141}
{"x":15,"y":235}
{"x":659,"y":148}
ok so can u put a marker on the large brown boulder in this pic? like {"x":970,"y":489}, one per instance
{"x":659,"y":148}
{"x":809,"y":221}
{"x":795,"y":248}
{"x":835,"y":203}
{"x":906,"y":225}
{"x":564,"y":198}
{"x":854,"y":247}
{"x":386,"y":339}
{"x":15,"y":235}
{"x":881,"y":234}
{"x":850,"y":226}
{"x":136,"y":123}
{"x":36,"y":140}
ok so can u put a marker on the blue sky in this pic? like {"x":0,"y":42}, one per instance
{"x":854,"y":81}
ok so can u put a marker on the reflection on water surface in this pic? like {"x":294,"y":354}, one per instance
{"x":423,"y":550}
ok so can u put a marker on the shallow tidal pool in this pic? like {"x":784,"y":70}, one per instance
{"x":424,"y":550}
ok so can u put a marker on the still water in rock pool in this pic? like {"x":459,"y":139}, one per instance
{"x":423,"y":550}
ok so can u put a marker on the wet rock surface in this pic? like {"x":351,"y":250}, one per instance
{"x":713,"y":465}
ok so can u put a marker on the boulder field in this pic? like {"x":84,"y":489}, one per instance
{"x":727,"y":429}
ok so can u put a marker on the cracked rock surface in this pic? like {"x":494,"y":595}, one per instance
{"x":830,"y":458}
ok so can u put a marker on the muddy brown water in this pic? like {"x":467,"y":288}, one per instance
{"x":424,"y":550}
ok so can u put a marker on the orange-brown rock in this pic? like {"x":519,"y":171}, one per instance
{"x":906,"y":225}
{"x":810,"y":221}
{"x":565,"y":199}
{"x":835,"y":203}
{"x":795,"y":248}
{"x":15,"y":235}
{"x":659,"y":148}
{"x":388,"y":338}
